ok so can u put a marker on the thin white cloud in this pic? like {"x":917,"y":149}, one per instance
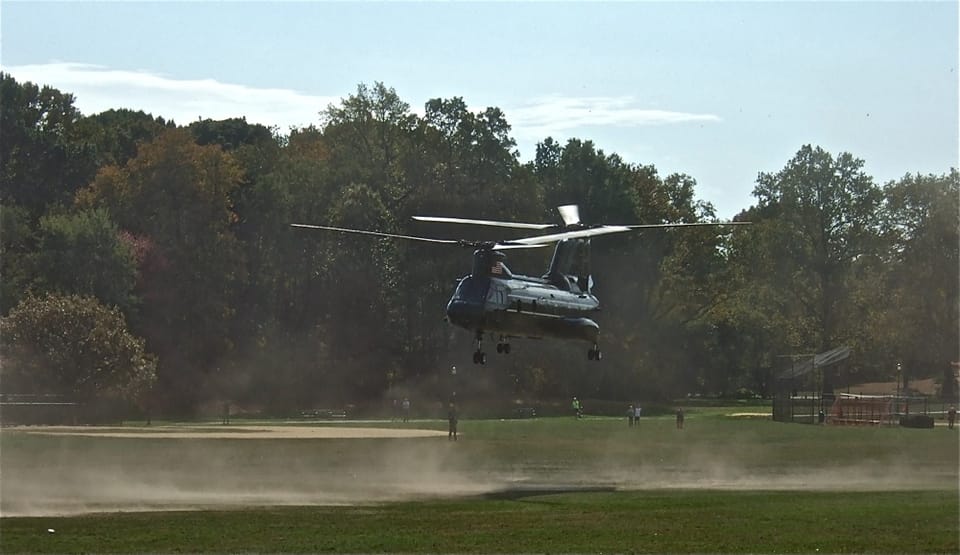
{"x":97,"y":88}
{"x":553,"y":115}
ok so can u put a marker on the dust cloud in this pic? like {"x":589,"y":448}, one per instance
{"x":59,"y":472}
{"x":64,"y":471}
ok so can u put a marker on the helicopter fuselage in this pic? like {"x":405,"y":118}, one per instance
{"x":493,"y":300}
{"x":522,"y":307}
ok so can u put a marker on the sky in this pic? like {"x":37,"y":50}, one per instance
{"x":720,"y":91}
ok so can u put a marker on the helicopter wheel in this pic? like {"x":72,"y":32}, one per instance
{"x":594,"y":353}
{"x":499,"y":348}
{"x":506,"y":348}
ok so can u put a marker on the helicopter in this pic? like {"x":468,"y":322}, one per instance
{"x":493,"y":300}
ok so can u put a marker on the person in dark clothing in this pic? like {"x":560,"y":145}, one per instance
{"x":452,"y":418}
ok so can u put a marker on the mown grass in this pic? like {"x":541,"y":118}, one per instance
{"x":819,"y":488}
{"x":662,"y":521}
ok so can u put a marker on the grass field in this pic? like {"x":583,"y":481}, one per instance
{"x":556,"y":484}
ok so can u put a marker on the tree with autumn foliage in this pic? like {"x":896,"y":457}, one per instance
{"x":177,"y":194}
{"x":74,"y":346}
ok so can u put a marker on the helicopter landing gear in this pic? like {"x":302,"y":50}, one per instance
{"x":479,"y":357}
{"x":594,"y":353}
{"x":503,"y":347}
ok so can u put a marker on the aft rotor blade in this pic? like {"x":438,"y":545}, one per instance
{"x":570,"y":214}
{"x":379,"y":234}
{"x":554,"y":237}
{"x":515,"y":225}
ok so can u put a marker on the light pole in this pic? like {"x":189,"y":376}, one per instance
{"x":899,"y":374}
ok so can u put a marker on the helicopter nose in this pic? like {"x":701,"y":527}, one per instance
{"x":464,"y":313}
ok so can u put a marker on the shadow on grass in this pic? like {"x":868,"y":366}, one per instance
{"x":515,"y":493}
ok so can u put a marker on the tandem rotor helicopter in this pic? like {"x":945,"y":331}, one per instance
{"x":493,"y":300}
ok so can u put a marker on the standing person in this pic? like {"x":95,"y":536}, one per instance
{"x":636,"y":414}
{"x":452,"y":421}
{"x":951,"y":416}
{"x":577,"y":408}
{"x":680,"y":418}
{"x":630,"y":414}
{"x":405,"y":405}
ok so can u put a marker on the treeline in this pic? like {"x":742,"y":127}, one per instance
{"x":154,"y":262}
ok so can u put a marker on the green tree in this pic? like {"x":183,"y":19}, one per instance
{"x":602,"y":185}
{"x":231,"y":133}
{"x":117,"y":134}
{"x":919,"y":317}
{"x":364,"y":277}
{"x":367,"y":134}
{"x":287,"y":264}
{"x":17,"y":242}
{"x":802,"y":277}
{"x":469,"y":165}
{"x":256,"y":149}
{"x":43,"y":157}
{"x":73,"y":345}
{"x":286,"y":316}
{"x":825,"y":209}
{"x":753,"y":323}
{"x":84,"y":253}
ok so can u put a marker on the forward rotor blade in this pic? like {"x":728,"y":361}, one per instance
{"x":379,"y":234}
{"x":510,"y":246}
{"x":515,"y":225}
{"x":506,"y":245}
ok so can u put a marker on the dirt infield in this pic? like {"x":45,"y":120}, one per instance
{"x":235,"y":432}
